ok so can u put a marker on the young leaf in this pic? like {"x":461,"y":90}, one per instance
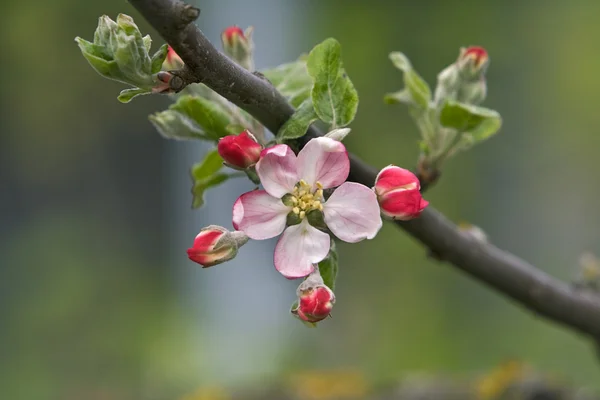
{"x":334,"y":97}
{"x":205,"y":175}
{"x":127,"y":94}
{"x":291,"y":80}
{"x":298,"y":123}
{"x":210,"y":116}
{"x":329,"y":267}
{"x":475,"y":123}
{"x":159,"y":57}
{"x":417,"y":91}
{"x":201,"y":186}
{"x":172,"y":124}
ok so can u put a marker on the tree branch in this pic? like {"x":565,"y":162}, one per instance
{"x":500,"y":270}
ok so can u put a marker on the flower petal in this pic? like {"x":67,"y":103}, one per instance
{"x":393,"y":177}
{"x":403,"y":204}
{"x":259,"y":215}
{"x":299,"y":248}
{"x":352,"y":213}
{"x":277,"y":170}
{"x":324,"y":160}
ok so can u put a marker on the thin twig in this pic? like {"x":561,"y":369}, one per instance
{"x":527,"y":285}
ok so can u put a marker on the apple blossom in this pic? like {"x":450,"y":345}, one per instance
{"x":293,"y":192}
{"x":398,"y":193}
{"x":215,"y":245}
{"x":240,"y":151}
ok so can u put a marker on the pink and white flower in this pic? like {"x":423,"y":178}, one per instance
{"x":293,"y":193}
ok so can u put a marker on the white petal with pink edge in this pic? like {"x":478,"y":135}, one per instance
{"x":259,"y":215}
{"x":299,"y":248}
{"x":277,"y":170}
{"x":323,"y":160}
{"x":352,"y":213}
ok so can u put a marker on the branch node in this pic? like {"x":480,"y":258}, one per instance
{"x":189,"y":14}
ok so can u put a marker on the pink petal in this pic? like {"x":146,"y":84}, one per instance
{"x":393,"y":177}
{"x":324,"y":160}
{"x":402,"y":204}
{"x":299,"y":248}
{"x":352,"y":213}
{"x":259,"y":215}
{"x":277,"y":170}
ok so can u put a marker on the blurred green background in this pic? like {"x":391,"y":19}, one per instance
{"x":99,"y":300}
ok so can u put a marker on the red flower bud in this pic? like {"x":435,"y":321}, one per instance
{"x":315,"y":299}
{"x":398,"y":193}
{"x":240,"y":151}
{"x":214,"y":245}
{"x":473,"y":61}
{"x":315,"y":304}
{"x":231,"y":34}
{"x":478,"y":54}
{"x":163,"y":84}
{"x":172,"y":61}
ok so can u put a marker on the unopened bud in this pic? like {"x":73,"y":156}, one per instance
{"x":240,"y":151}
{"x":398,"y":193}
{"x":172,"y":61}
{"x":315,"y":299}
{"x":215,"y":245}
{"x":238,"y":45}
{"x":473,"y":62}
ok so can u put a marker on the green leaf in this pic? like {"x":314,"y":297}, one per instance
{"x":334,"y":97}
{"x":172,"y":124}
{"x":205,"y":175}
{"x":475,"y":123}
{"x":291,"y":80}
{"x":126,"y":95}
{"x":329,"y":267}
{"x":158,"y":58}
{"x":210,"y":116}
{"x":417,"y":91}
{"x":298,"y":123}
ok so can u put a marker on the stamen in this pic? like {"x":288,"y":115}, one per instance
{"x":296,"y":210}
{"x":302,"y":214}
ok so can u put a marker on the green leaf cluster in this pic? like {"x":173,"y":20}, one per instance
{"x":119,"y":52}
{"x":447,"y":126}
{"x":333,"y":98}
{"x":206,"y":174}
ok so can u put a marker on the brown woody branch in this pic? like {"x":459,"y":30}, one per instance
{"x":529,"y":286}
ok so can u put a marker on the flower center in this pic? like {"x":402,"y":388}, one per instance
{"x":303,"y":199}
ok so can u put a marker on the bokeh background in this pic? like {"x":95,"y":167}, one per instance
{"x":99,"y":300}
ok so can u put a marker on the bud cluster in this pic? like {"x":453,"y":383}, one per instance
{"x":119,"y":52}
{"x":238,"y":45}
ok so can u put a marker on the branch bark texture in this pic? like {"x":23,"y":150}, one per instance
{"x":527,"y":285}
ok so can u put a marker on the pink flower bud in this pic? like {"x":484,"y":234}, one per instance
{"x":473,"y":61}
{"x":315,"y":299}
{"x":172,"y":61}
{"x":231,"y":34}
{"x":214,"y":245}
{"x":398,"y":193}
{"x":240,"y":151}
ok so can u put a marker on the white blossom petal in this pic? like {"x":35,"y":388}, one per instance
{"x":324,"y":160}
{"x":299,"y":248}
{"x":352,"y":213}
{"x":259,"y":215}
{"x":277,"y":170}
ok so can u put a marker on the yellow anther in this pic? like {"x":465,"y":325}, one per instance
{"x":319,"y":193}
{"x":294,"y":199}
{"x":319,"y":185}
{"x":302,"y":214}
{"x":320,"y":207}
{"x":303,"y":182}
{"x":309,"y":196}
{"x":296,"y":210}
